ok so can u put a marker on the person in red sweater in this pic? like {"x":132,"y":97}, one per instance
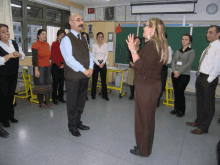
{"x":57,"y":69}
{"x":41,"y":62}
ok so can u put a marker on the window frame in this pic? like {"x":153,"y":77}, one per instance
{"x":25,"y":20}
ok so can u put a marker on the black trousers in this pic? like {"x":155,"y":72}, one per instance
{"x":205,"y":94}
{"x":76,"y":99}
{"x":179,"y":86}
{"x":8,"y":85}
{"x":163,"y":79}
{"x":103,"y":71}
{"x":58,"y":81}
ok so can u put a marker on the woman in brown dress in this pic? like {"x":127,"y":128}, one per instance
{"x":130,"y":80}
{"x":148,"y":64}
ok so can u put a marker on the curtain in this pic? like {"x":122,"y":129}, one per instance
{"x":6,"y":15}
{"x":52,"y":34}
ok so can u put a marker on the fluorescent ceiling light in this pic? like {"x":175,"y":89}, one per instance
{"x":18,"y":6}
{"x":15,"y":5}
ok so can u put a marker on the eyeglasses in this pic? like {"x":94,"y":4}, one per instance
{"x":144,"y":25}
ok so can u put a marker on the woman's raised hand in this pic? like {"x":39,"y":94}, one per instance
{"x":131,"y":43}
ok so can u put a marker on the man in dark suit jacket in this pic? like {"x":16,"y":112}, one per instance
{"x":78,"y":67}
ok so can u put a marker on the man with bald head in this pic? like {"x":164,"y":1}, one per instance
{"x":78,"y":68}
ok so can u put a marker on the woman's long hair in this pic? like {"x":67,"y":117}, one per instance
{"x":86,"y":35}
{"x":159,"y":38}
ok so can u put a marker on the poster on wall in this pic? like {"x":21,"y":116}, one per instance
{"x":109,"y":13}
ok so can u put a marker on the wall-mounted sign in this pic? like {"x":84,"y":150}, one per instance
{"x":91,"y":10}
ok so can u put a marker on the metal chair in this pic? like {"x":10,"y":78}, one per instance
{"x":169,"y":90}
{"x":32,"y":97}
{"x":22,"y":82}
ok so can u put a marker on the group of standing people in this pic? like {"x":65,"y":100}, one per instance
{"x":206,"y":82}
{"x":146,"y":64}
{"x":148,"y":68}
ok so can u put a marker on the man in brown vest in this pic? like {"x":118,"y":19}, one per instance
{"x":78,"y":67}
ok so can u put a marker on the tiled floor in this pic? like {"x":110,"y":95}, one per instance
{"x":42,"y":138}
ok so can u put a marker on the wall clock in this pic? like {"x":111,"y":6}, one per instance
{"x":211,"y":8}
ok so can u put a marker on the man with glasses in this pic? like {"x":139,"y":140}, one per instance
{"x":78,"y":68}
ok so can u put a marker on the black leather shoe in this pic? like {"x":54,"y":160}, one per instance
{"x":93,"y":97}
{"x":14,"y":120}
{"x":173,"y":112}
{"x":106,"y":98}
{"x":55,"y":101}
{"x":158,"y":104}
{"x":83,"y":127}
{"x":75,"y":132}
{"x":6,"y":124}
{"x":3,"y":133}
{"x":131,"y":97}
{"x":219,"y":120}
{"x":62,"y":100}
{"x":133,"y":152}
{"x":87,"y":98}
{"x":180,"y":114}
{"x":132,"y":92}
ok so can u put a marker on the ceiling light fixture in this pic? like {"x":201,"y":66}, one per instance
{"x":18,"y":6}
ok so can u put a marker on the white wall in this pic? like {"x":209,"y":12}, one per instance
{"x":200,"y":15}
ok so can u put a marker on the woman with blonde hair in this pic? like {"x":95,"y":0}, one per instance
{"x":148,"y":64}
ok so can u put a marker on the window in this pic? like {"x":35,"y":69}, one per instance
{"x":35,"y":12}
{"x":32,"y":36}
{"x":16,"y":7}
{"x":67,"y":15}
{"x":36,"y":16}
{"x":29,"y":30}
{"x":53,"y":16}
{"x":17,"y":33}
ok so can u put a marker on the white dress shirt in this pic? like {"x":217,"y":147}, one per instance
{"x":170,"y":55}
{"x":66,"y":50}
{"x":100,"y":53}
{"x":211,"y":62}
{"x":10,"y":49}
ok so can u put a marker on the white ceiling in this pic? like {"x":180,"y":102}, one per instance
{"x":116,"y":2}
